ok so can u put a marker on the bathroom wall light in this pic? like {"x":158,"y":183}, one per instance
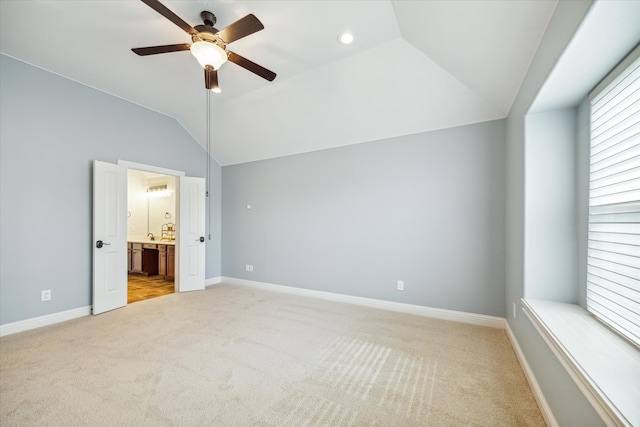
{"x":156,"y":191}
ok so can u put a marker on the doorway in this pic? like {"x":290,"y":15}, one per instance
{"x":110,"y":248}
{"x":151,"y":234}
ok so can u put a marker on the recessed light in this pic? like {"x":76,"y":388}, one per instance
{"x":345,"y":37}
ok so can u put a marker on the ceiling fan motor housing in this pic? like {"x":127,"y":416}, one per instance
{"x":207,"y":32}
{"x":208,"y":18}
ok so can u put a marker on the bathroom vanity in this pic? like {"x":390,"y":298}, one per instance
{"x":152,"y":257}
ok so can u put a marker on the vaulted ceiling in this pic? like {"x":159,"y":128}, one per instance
{"x":414,"y":66}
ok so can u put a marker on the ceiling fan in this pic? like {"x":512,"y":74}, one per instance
{"x":209,"y":44}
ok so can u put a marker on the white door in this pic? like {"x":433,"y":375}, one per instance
{"x":109,"y":236}
{"x":191,"y":232}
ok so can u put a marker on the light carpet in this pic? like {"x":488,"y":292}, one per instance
{"x":237,"y":356}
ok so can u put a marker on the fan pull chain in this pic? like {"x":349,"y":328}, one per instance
{"x":208,"y":185}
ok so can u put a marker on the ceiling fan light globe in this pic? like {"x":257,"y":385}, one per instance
{"x":208,"y":54}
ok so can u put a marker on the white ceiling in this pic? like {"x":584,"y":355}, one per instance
{"x":414,"y":66}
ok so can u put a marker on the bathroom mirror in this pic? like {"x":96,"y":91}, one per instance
{"x":151,"y":202}
{"x":161,"y":210}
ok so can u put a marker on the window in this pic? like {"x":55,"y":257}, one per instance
{"x":613,"y":267}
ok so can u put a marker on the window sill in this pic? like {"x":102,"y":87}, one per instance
{"x":605,"y":366}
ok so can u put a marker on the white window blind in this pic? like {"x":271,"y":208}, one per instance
{"x":613,"y":268}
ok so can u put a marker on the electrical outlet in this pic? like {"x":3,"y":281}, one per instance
{"x":514,"y":310}
{"x":251,"y":267}
{"x":45,"y":295}
{"x":401,"y":285}
{"x":248,"y":267}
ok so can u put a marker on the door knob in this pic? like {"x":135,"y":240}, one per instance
{"x":100,"y":244}
{"x":201,"y":239}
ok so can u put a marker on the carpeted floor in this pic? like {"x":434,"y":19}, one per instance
{"x":236,"y":356}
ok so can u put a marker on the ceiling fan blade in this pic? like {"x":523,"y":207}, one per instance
{"x":241,"y":28}
{"x":251,"y":66}
{"x":164,"y":11}
{"x":154,"y":50}
{"x":211,"y":78}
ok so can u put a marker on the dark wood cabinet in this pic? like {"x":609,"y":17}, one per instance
{"x":171,"y":261}
{"x":162,"y":260}
{"x":152,"y":259}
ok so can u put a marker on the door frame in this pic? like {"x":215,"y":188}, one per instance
{"x":163,"y":171}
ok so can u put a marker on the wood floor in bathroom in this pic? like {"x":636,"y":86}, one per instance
{"x":141,"y":287}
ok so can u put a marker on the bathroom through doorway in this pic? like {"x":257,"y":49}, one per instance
{"x":152,"y":205}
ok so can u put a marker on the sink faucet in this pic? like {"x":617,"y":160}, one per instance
{"x":151,"y":234}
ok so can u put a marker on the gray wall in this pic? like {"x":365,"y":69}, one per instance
{"x":551,"y":206}
{"x":427,"y":209}
{"x":51,"y":129}
{"x":568,"y":404}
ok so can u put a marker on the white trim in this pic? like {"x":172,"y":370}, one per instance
{"x":49,"y":319}
{"x":619,"y":69}
{"x":62,"y":316}
{"x":545,"y":409}
{"x":212,"y":281}
{"x":149,"y":168}
{"x":437,"y":313}
{"x":610,"y":414}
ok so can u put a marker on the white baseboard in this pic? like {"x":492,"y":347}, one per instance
{"x":49,"y":319}
{"x":547,"y":414}
{"x":438,"y":313}
{"x":212,"y":281}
